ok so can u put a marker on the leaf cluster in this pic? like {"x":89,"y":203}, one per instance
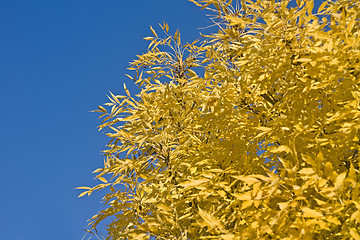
{"x":252,"y":133}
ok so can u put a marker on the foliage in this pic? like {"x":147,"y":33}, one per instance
{"x":255,"y":135}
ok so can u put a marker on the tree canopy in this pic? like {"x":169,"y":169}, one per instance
{"x":250,"y":133}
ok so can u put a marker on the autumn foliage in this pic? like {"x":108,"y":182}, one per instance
{"x":250,"y":133}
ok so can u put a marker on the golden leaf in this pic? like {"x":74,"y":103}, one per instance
{"x":247,"y":179}
{"x":126,"y":90}
{"x":164,"y":207}
{"x":153,"y":32}
{"x":339,"y":180}
{"x":310,"y":213}
{"x":283,"y":205}
{"x":354,"y":233}
{"x":322,"y":6}
{"x":242,"y":196}
{"x":247,"y":204}
{"x":102,"y":179}
{"x":263,"y":129}
{"x":193,"y":183}
{"x":82,"y":194}
{"x":281,"y":148}
{"x":83,"y":188}
{"x":351,"y":24}
{"x":102,"y":109}
{"x":304,"y":60}
{"x":306,"y":171}
{"x":211,"y":220}
{"x":227,"y":236}
{"x":236,"y":21}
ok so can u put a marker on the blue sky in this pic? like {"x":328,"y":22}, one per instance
{"x":58,"y":60}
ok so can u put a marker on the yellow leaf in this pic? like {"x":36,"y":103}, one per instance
{"x":322,"y":6}
{"x":262,"y":177}
{"x":186,"y":215}
{"x":357,"y":204}
{"x":242,"y":196}
{"x":256,"y":189}
{"x":196,"y":3}
{"x":306,"y":171}
{"x":163,"y":207}
{"x":320,"y":202}
{"x":138,"y":236}
{"x":320,"y":157}
{"x":102,"y":179}
{"x":323,"y":225}
{"x":333,"y":220}
{"x":241,"y":63}
{"x":151,"y":200}
{"x":83,"y":188}
{"x":351,"y":24}
{"x":102,"y":109}
{"x":339,"y":180}
{"x":82,"y":194}
{"x":355,"y":215}
{"x":126,"y":90}
{"x":211,"y":220}
{"x":283,"y":205}
{"x":192,"y":73}
{"x":304,"y":60}
{"x":310,"y":6}
{"x":282,"y":148}
{"x":243,"y":5}
{"x":148,"y":38}
{"x":354,"y":233}
{"x":194,"y":137}
{"x":177,"y":37}
{"x":236,"y":21}
{"x":222,"y":193}
{"x":97,"y":170}
{"x":264,"y":129}
{"x":114,"y":97}
{"x":320,"y":35}
{"x":310,"y":213}
{"x":153,"y":31}
{"x":248,"y":180}
{"x":247,"y":204}
{"x":129,"y":76}
{"x":308,"y":160}
{"x":193,"y":182}
{"x":328,"y":169}
{"x":227,"y":237}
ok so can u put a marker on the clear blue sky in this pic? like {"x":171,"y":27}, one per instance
{"x":58,"y":60}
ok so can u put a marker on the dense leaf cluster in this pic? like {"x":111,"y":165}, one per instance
{"x":254,"y":136}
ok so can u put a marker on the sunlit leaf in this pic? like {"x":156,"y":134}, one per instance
{"x":311,"y":213}
{"x":210,"y":220}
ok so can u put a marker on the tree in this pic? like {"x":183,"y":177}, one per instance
{"x":254,"y":136}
